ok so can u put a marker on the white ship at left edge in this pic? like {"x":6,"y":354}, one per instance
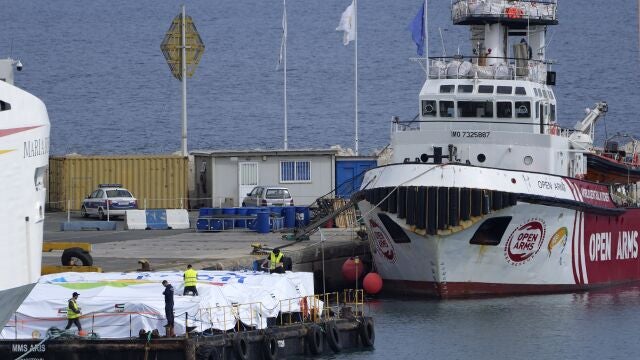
{"x":24,"y":158}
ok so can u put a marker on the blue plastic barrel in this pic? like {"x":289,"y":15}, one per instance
{"x":215,"y":225}
{"x":262,"y":222}
{"x":228,"y":223}
{"x":204,"y":212}
{"x":215,"y":211}
{"x":202,"y":224}
{"x":251,"y":224}
{"x":302,"y":215}
{"x":289,"y":213}
{"x":276,"y":210}
{"x":242,"y":223}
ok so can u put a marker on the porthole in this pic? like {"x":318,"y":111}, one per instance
{"x":528,"y":160}
{"x":482,"y":158}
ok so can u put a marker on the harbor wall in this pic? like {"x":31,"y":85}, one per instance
{"x":159,"y":181}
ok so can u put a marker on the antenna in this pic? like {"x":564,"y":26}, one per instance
{"x":444,"y":50}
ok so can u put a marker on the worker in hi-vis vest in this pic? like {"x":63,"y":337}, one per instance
{"x":190,"y":280}
{"x":274,"y":262}
{"x":73,"y":312}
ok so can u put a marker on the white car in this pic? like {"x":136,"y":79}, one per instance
{"x":268,"y":196}
{"x":111,"y":199}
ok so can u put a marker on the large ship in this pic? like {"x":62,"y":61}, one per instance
{"x":484,"y":194}
{"x":24,"y":157}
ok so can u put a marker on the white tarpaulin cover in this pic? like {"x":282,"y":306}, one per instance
{"x":117,"y":305}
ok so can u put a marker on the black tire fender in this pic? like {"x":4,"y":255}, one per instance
{"x":367,"y":332}
{"x":333,"y":336}
{"x":314,"y":339}
{"x":270,"y":348}
{"x":241,"y":347}
{"x":77,"y":253}
{"x":207,"y":352}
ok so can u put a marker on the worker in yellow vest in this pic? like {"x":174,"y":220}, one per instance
{"x":190,"y":280}
{"x":274,"y":262}
{"x":73,"y":312}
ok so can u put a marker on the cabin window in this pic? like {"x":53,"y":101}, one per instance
{"x":552,"y":112}
{"x":521,"y":90}
{"x":447,"y":89}
{"x":536,"y":91}
{"x":465,"y":88}
{"x":537,"y":107}
{"x":504,"y":109}
{"x":545,"y":94}
{"x":429,"y":108}
{"x":481,"y":109}
{"x":523,"y":109}
{"x":551,"y":95}
{"x":505,"y":90}
{"x":295,"y":171}
{"x":491,"y":231}
{"x":4,"y":106}
{"x":395,"y":231}
{"x":446,"y":109}
{"x":485,"y":89}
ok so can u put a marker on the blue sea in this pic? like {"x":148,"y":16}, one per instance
{"x":98,"y":67}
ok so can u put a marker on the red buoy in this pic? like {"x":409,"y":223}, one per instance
{"x":352,"y":269}
{"x":372,"y":283}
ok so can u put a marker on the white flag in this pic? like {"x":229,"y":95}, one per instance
{"x":284,"y":35}
{"x":347,"y":24}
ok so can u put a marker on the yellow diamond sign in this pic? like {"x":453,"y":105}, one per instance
{"x":172,"y":46}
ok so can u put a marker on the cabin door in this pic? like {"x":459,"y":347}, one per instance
{"x":247,"y":179}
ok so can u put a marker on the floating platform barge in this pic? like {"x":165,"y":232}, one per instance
{"x":302,"y":338}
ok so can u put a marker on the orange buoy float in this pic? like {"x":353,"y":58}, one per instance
{"x":352,"y":269}
{"x":372,"y":283}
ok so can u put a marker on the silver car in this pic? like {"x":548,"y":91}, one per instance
{"x":108,"y":200}
{"x":268,"y":196}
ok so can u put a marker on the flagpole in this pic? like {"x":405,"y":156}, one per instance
{"x":426,"y":35}
{"x":184,"y":82}
{"x":284,"y":23}
{"x":355,"y":25}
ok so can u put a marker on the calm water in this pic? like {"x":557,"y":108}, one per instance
{"x":98,"y":67}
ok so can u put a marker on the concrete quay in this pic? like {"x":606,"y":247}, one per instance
{"x":120,"y":250}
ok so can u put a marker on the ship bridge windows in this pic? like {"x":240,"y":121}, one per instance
{"x":447,"y":109}
{"x":552,"y":112}
{"x":504,"y":109}
{"x":429,"y":108}
{"x":485,"y":89}
{"x":4,"y":106}
{"x":521,"y":90}
{"x":447,"y":89}
{"x":505,"y":90}
{"x":481,"y":109}
{"x":523,"y":109}
{"x":465,"y":89}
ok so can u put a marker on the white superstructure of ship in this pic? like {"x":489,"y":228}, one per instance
{"x":24,"y":157}
{"x":484,"y":194}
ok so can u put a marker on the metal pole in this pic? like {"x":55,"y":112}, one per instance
{"x":285,"y":30}
{"x":426,"y":35}
{"x":69,"y":208}
{"x":355,"y":25}
{"x":184,"y":83}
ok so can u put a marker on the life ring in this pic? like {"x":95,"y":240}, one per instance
{"x":554,"y":129}
{"x":314,"y":339}
{"x":241,"y":347}
{"x":270,"y":347}
{"x":514,"y":13}
{"x":304,"y":308}
{"x":333,"y":336}
{"x":367,"y":332}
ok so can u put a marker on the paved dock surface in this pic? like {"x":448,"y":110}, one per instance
{"x":120,"y":250}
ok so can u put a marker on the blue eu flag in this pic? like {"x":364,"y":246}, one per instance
{"x":417,"y":31}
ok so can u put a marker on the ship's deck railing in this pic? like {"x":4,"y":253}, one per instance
{"x":554,"y":129}
{"x":476,"y":67}
{"x":534,"y":11}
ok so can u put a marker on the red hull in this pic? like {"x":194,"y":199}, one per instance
{"x":476,"y":290}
